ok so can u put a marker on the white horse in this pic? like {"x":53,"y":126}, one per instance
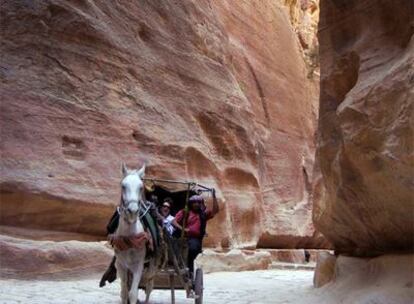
{"x":132,"y":259}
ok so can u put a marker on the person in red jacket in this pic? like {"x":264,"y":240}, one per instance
{"x":195,"y":224}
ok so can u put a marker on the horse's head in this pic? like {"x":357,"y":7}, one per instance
{"x":132,"y":192}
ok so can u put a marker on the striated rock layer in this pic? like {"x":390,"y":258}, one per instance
{"x":212,"y":91}
{"x":366,"y":138}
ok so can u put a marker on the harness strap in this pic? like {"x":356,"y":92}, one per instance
{"x":122,"y":243}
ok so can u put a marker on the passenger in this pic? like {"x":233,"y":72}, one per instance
{"x":195,"y":227}
{"x":167,"y":218}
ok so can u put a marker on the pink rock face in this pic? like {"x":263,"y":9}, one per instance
{"x":366,"y":137}
{"x":212,"y":91}
{"x":28,"y":259}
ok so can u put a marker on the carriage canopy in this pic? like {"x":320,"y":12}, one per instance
{"x":178,"y":191}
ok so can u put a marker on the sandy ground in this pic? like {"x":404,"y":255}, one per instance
{"x":258,"y":287}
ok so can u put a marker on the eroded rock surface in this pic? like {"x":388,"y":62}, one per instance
{"x":304,"y":16}
{"x":325,"y":269}
{"x":365,"y":146}
{"x":213,"y":91}
{"x":234,"y":260}
{"x":381,"y":280}
{"x":32,"y":259}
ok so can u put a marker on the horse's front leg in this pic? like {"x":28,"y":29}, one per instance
{"x":136,"y":278}
{"x":123,"y":275}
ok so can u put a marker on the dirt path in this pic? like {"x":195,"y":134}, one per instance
{"x":258,"y":287}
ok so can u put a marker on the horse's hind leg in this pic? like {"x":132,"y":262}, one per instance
{"x":148,"y":289}
{"x":151,"y":270}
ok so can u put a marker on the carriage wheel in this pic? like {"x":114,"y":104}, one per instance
{"x":198,"y":286}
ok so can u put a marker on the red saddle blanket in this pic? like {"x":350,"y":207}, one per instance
{"x":136,"y":241}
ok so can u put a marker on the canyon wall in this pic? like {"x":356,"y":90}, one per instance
{"x":221,"y":92}
{"x":366,"y":138}
{"x":365,"y":204}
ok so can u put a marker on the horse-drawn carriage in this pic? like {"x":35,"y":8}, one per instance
{"x":149,"y":257}
{"x":174,"y":273}
{"x":165,"y":265}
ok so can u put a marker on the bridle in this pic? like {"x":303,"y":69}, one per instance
{"x":141,"y":212}
{"x":141,"y":203}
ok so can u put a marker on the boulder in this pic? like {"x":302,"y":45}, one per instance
{"x":287,"y":255}
{"x":50,"y":260}
{"x":325,"y":269}
{"x":234,"y":260}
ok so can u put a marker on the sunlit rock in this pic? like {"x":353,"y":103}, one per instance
{"x":213,"y":91}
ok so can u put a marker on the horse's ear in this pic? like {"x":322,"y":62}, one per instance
{"x":141,"y":172}
{"x":124,"y":169}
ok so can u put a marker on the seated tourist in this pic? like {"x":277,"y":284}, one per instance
{"x":167,"y":217}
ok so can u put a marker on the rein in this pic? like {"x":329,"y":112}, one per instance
{"x":146,"y":210}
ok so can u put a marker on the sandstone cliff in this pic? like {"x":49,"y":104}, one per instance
{"x":365,"y":145}
{"x":213,"y":91}
{"x":365,"y":204}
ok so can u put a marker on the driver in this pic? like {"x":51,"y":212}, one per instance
{"x":195,"y":224}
